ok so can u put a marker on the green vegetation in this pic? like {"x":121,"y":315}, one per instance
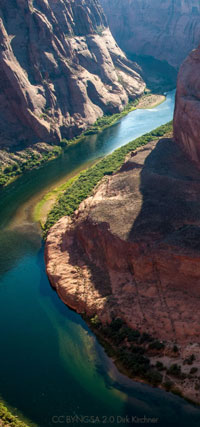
{"x":134,"y":359}
{"x":189,"y":360}
{"x":193,"y":370}
{"x":33,"y":160}
{"x":51,"y":195}
{"x":101,"y":124}
{"x":8,"y":419}
{"x":175,"y":371}
{"x":130,"y":359}
{"x":157,"y":345}
{"x":160,"y":366}
{"x":83,"y":186}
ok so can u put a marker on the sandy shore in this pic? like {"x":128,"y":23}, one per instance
{"x":151,"y":101}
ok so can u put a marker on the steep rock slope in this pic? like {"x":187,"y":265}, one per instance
{"x":167,"y":30}
{"x":187,"y":109}
{"x":132,"y":249}
{"x":60,"y":69}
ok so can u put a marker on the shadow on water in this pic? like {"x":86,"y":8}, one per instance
{"x":16,"y":243}
{"x":46,"y":290}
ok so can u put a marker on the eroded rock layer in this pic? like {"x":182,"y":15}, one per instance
{"x":187,"y":109}
{"x":132,"y":249}
{"x":60,"y":69}
{"x":167,"y":30}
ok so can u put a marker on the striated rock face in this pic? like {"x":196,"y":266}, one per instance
{"x":60,"y":69}
{"x":167,"y":30}
{"x":132,"y":249}
{"x":187,"y":109}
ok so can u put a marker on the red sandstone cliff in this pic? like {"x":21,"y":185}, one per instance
{"x":60,"y":69}
{"x":167,"y":30}
{"x":187,"y":109}
{"x":132,"y":249}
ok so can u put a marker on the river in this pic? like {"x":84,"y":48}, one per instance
{"x":51,"y":364}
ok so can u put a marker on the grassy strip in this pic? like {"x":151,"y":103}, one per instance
{"x":51,"y":195}
{"x":8,"y":419}
{"x":44,"y":205}
{"x":11,"y":172}
{"x":88,"y":179}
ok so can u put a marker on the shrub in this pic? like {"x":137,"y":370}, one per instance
{"x":136,"y":349}
{"x":189,"y":360}
{"x":175,"y":371}
{"x":160,"y":366}
{"x":193,"y":370}
{"x":175,"y":349}
{"x":154,"y":377}
{"x":145,"y":337}
{"x":156,"y":345}
{"x":133,"y":335}
{"x":168,"y":384}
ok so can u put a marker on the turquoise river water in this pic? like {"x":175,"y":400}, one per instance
{"x":51,"y":366}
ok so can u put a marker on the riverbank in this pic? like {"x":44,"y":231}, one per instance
{"x":44,"y":206}
{"x":168,"y":357}
{"x":144,"y":358}
{"x":14,"y":164}
{"x":46,"y":203}
{"x":81,"y":187}
{"x":151,"y":101}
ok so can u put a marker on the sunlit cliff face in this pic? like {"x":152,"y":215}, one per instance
{"x":61,"y":69}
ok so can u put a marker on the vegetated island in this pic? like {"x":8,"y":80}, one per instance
{"x":122,"y":259}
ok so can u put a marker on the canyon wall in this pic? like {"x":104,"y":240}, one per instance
{"x":187,"y":108}
{"x":60,"y":69}
{"x":132,"y":249}
{"x":165,"y":29}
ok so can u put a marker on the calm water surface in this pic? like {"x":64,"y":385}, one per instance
{"x":50,"y":363}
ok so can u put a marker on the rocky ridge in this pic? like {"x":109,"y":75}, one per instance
{"x":61,"y":69}
{"x":167,"y":30}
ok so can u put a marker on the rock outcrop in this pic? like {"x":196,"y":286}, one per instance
{"x":132,"y":249}
{"x":167,"y":30}
{"x":60,"y":69}
{"x":187,"y":109}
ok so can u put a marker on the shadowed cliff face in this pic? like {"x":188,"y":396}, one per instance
{"x":167,"y":30}
{"x":60,"y":69}
{"x":187,"y":108}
